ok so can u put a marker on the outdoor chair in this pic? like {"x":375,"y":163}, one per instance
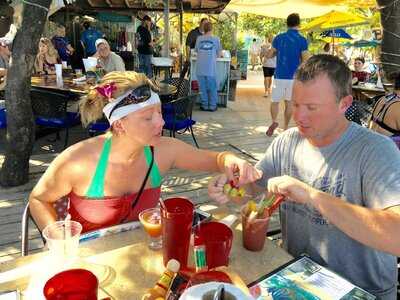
{"x":98,"y":127}
{"x":360,"y":111}
{"x":61,"y":207}
{"x":50,"y":111}
{"x":178,"y":116}
{"x":182,"y":86}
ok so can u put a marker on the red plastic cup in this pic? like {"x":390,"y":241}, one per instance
{"x":176,"y":223}
{"x":74,"y":284}
{"x":218,"y":239}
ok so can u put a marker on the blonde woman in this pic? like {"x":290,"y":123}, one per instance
{"x":46,"y":58}
{"x":109,"y":179}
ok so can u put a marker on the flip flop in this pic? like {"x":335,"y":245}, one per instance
{"x":271,"y":129}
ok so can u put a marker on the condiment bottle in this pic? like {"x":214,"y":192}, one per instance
{"x":199,"y":248}
{"x":162,"y":285}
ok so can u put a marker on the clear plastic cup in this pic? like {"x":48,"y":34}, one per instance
{"x":62,"y":239}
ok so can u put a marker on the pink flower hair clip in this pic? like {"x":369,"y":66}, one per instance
{"x":107,"y":90}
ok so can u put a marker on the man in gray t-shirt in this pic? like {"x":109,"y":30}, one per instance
{"x":341,"y":182}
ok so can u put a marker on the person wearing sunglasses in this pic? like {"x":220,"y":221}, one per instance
{"x":109,"y":179}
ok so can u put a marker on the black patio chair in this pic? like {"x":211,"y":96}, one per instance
{"x":182,"y":86}
{"x":178,"y":116}
{"x":50,"y":111}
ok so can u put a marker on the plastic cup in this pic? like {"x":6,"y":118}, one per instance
{"x":218,"y":240}
{"x":78,"y":72}
{"x":74,"y":284}
{"x":58,"y":70}
{"x":62,"y":239}
{"x":151,"y":221}
{"x":254,"y":231}
{"x":176,"y":221}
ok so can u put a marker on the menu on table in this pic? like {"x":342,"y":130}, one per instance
{"x":302,"y":278}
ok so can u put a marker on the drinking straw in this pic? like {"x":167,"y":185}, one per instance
{"x":162,"y":204}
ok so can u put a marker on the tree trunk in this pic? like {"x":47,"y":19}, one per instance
{"x":390,"y":16}
{"x":20,"y":122}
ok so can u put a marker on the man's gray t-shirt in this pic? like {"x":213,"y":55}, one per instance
{"x":207,"y":48}
{"x":363,"y":168}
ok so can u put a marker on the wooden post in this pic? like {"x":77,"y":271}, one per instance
{"x":166,"y":49}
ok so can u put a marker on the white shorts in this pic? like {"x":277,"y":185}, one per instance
{"x":281,"y":90}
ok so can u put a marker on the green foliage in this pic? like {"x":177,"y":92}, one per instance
{"x":224,"y":28}
{"x":260,"y":25}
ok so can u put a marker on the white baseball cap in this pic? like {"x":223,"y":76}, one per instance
{"x":100,"y":41}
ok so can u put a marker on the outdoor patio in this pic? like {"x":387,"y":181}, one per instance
{"x":239,"y":128}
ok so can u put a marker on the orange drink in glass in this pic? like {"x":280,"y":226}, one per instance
{"x":151,"y":221}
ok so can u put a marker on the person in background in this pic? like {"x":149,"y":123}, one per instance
{"x":46,"y":58}
{"x":109,"y":179}
{"x":107,"y":59}
{"x":359,"y":74}
{"x":191,"y":43}
{"x":385,"y":117}
{"x":208,"y":48}
{"x":89,"y":37}
{"x":341,"y":182}
{"x":254,"y":52}
{"x":269,"y":65}
{"x":5,"y":54}
{"x":145,"y":46}
{"x":290,"y":49}
{"x":62,"y":45}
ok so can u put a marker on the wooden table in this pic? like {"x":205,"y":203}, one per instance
{"x":67,"y":85}
{"x":367,"y":92}
{"x":126,"y":267}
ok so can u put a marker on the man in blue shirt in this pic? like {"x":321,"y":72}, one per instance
{"x":62,"y":45}
{"x":89,"y":37}
{"x":290,"y":49}
{"x":208,"y":48}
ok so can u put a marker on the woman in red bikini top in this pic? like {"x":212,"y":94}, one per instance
{"x":110,"y":178}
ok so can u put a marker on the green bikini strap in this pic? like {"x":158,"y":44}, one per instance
{"x":155,"y":175}
{"x":96,"y":189}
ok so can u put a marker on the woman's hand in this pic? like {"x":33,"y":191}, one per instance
{"x":235,"y":166}
{"x":216,"y":189}
{"x":292,"y":188}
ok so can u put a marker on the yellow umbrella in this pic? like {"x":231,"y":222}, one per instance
{"x":334,"y":19}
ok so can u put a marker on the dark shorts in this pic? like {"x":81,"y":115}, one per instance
{"x":268,"y":72}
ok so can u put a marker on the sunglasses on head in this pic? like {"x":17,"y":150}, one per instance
{"x":138,"y":95}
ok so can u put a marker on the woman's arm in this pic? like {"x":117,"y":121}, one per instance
{"x":187,"y":157}
{"x":53,"y":185}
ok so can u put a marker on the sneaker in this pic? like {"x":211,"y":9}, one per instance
{"x":203,"y":108}
{"x":213,"y":109}
{"x":271,"y":129}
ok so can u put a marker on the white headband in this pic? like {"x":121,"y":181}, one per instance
{"x":123,"y":111}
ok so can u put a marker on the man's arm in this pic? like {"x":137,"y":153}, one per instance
{"x":376,"y":228}
{"x":270,"y":53}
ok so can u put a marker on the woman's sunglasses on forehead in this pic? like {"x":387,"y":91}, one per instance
{"x":138,"y":95}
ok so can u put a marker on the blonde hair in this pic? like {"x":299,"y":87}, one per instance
{"x":51,"y":50}
{"x":91,"y":105}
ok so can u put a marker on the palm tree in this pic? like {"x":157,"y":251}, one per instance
{"x":390,"y":17}
{"x":20,"y":124}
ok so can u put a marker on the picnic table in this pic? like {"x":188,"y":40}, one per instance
{"x":68,"y":86}
{"x":366,"y":92}
{"x":126,"y":267}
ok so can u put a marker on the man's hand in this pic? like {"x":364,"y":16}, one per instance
{"x":293,"y":189}
{"x":234,"y":166}
{"x":216,"y":189}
